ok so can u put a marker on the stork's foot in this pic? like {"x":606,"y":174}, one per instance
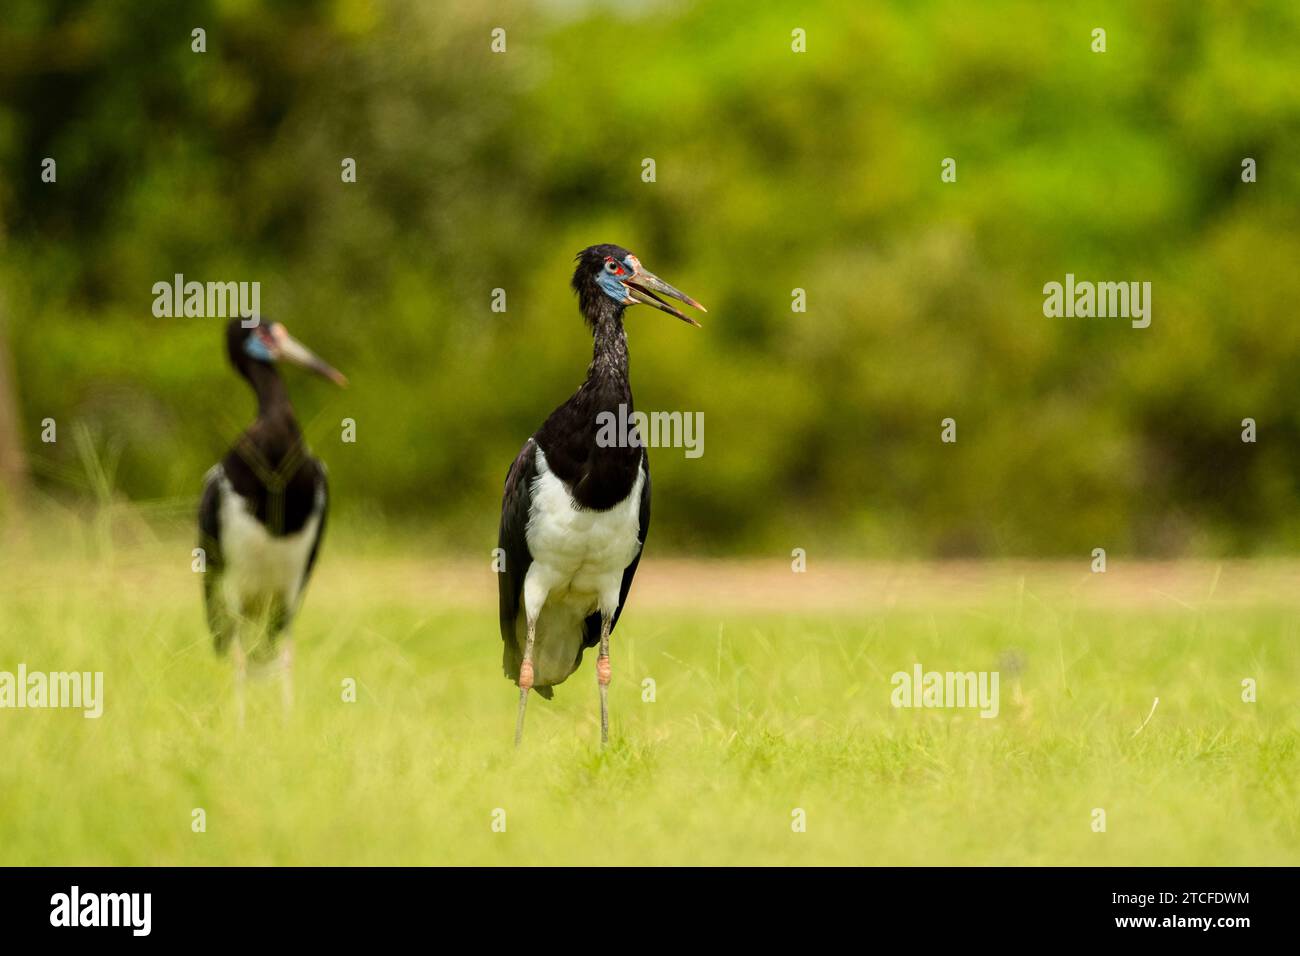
{"x":525,"y":685}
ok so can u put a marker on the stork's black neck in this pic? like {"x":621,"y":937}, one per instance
{"x":598,"y":475}
{"x":269,"y":467}
{"x":272,"y":396}
{"x":275,"y":434}
{"x":608,"y":345}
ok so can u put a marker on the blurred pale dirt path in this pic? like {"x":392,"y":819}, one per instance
{"x":341,"y":580}
{"x":838,"y":585}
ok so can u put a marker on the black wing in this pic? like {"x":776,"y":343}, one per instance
{"x":513,"y":542}
{"x":592,"y":624}
{"x":323,"y":493}
{"x":220,"y":622}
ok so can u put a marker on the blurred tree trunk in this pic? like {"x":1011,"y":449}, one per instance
{"x":13,"y":463}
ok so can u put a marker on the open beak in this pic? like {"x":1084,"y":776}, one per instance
{"x":291,"y":350}
{"x":642,"y":286}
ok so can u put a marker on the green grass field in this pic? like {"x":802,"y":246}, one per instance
{"x":757,"y":712}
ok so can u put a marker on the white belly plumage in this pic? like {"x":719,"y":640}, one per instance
{"x":579,"y":557}
{"x":258,"y":564}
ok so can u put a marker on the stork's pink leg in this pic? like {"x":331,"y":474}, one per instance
{"x":602,"y":678}
{"x":241,"y":678}
{"x":286,"y":676}
{"x":525,"y":680}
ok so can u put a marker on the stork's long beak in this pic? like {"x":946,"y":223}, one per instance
{"x":291,"y":350}
{"x":642,"y":286}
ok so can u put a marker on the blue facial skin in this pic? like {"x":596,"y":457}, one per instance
{"x":255,"y":347}
{"x":612,"y":285}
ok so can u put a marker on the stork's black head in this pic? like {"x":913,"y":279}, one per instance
{"x":269,"y":342}
{"x":610,"y":271}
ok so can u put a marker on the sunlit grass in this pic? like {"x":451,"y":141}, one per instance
{"x":755,"y":714}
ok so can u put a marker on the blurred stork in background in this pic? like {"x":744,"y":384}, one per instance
{"x":263,"y":513}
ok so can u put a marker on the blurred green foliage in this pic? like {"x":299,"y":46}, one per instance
{"x":775,"y":170}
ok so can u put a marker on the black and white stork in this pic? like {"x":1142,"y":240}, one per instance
{"x":576,"y":509}
{"x":263,"y":513}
